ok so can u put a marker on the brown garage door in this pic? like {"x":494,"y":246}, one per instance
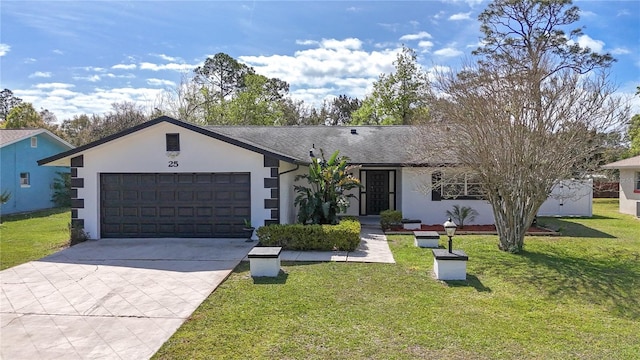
{"x":174,"y":205}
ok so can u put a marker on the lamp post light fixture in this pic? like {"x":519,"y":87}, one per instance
{"x":450,"y":228}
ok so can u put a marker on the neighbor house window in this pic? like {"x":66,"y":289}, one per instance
{"x":25,"y":179}
{"x":637,"y":182}
{"x":34,"y":142}
{"x":455,"y":186}
{"x":173,"y":142}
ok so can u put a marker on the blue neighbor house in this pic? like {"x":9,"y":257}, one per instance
{"x":29,"y":185}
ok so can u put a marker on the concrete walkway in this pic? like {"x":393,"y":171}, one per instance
{"x":123,"y":298}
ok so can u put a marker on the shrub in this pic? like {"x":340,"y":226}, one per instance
{"x":390,"y":217}
{"x":329,"y":180}
{"x":343,"y":236}
{"x":77,"y":235}
{"x":461,"y":214}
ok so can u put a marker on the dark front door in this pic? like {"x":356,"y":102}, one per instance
{"x":377,"y":192}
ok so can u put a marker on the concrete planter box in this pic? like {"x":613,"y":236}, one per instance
{"x":410,"y":224}
{"x":450,"y":266}
{"x":426,"y":239}
{"x":264,"y":261}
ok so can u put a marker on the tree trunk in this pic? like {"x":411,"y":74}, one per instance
{"x":513,"y":217}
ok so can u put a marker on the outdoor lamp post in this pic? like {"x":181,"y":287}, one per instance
{"x":450,"y":228}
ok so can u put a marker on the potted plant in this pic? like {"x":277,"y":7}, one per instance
{"x":248,"y":229}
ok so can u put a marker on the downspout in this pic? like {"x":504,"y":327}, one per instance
{"x":279,"y":189}
{"x":288,"y":171}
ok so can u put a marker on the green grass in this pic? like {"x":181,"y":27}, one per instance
{"x":576,"y":296}
{"x":32,"y":236}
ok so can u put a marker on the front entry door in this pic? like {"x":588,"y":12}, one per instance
{"x":377,"y":192}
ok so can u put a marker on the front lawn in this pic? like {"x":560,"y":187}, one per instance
{"x":575,"y":296}
{"x":32,"y":236}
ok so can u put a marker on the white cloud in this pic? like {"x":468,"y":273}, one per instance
{"x":586,"y":13}
{"x":349,"y":43}
{"x":58,"y":51}
{"x":620,"y":51}
{"x":448,"y":52}
{"x":586,"y":41}
{"x":331,"y":68}
{"x":120,"y":76}
{"x":40,"y":74}
{"x":54,"y":86}
{"x":29,"y":60}
{"x":306,"y":42}
{"x":124,"y":66}
{"x":418,"y":36}
{"x":90,"y":78}
{"x":425,"y":45}
{"x":170,"y":66}
{"x":94,"y":68}
{"x":65,"y":103}
{"x":460,"y":16}
{"x":167,"y":57}
{"x":4,"y":49}
{"x":160,"y":82}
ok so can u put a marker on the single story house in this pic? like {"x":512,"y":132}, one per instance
{"x":29,"y":185}
{"x":168,"y":178}
{"x":629,"y":184}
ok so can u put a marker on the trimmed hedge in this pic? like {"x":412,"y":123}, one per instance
{"x":343,"y":236}
{"x":390,"y":217}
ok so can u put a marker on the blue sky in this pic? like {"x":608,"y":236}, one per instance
{"x":75,"y":57}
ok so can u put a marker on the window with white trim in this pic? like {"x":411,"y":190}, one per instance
{"x":637,"y":182}
{"x":25,"y":179}
{"x":34,"y":142}
{"x":455,"y":186}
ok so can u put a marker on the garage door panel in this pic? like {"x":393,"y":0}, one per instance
{"x":175,"y":205}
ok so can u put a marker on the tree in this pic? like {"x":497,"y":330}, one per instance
{"x":7,"y":102}
{"x":527,"y":114}
{"x":220,"y":78}
{"x":122,"y":116}
{"x":341,"y":108}
{"x":633,"y":133}
{"x":22,"y":116}
{"x":398,"y":98}
{"x":258,"y":103}
{"x":77,"y":130}
{"x":327,"y":196}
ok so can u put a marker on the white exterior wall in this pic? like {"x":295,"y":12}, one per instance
{"x":569,"y":198}
{"x":288,"y":212}
{"x":144,"y":152}
{"x":628,"y":197}
{"x":418,"y":205}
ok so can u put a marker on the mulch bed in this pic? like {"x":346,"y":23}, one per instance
{"x":471,"y":229}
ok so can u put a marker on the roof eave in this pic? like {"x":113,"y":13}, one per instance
{"x":68,"y":154}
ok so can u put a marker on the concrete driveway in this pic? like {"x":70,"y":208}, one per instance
{"x":111,"y":298}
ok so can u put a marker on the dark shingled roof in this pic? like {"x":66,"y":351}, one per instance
{"x":369,"y":145}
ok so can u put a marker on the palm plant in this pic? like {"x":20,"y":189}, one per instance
{"x":327,"y":196}
{"x":461,"y":214}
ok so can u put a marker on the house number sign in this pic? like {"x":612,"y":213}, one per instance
{"x":173,"y":163}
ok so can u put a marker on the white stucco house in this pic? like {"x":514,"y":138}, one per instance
{"x":168,"y":178}
{"x":629,"y":184}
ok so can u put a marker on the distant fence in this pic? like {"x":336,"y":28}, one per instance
{"x":606,"y":189}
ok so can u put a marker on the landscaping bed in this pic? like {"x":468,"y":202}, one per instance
{"x":470,"y":230}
